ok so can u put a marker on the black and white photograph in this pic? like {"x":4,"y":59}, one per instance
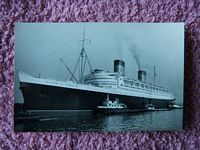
{"x":101,"y":77}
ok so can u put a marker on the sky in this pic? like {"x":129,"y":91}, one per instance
{"x":40,"y":46}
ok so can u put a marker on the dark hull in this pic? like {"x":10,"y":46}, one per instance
{"x":42,"y":97}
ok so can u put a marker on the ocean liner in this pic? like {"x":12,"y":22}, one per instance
{"x":89,"y":91}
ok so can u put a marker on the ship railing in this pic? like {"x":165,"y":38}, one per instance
{"x":136,"y":83}
{"x":132,"y":84}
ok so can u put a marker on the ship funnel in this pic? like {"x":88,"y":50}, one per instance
{"x":142,"y":75}
{"x":119,"y":67}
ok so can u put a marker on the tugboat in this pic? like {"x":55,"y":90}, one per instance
{"x":173,"y":105}
{"x":110,"y":106}
{"x":150,"y":107}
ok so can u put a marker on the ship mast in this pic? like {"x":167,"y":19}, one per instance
{"x":82,"y":56}
{"x":81,"y":62}
{"x":83,"y":59}
{"x":154,"y":74}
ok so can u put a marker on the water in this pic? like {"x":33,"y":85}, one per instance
{"x":90,"y":121}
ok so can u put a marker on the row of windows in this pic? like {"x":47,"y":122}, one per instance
{"x":145,"y":87}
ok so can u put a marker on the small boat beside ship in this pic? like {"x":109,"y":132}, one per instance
{"x":149,"y":107}
{"x":109,"y":106}
{"x":175,"y":106}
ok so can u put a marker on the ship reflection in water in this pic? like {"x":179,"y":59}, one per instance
{"x":90,"y":121}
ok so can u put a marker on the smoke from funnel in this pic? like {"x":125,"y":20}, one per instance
{"x":119,"y":46}
{"x":135,"y":56}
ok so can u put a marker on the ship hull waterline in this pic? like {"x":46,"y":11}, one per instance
{"x":46,"y":97}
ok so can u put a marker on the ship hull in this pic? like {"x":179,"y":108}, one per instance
{"x":46,"y":97}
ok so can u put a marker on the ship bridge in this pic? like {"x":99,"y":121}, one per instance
{"x":101,"y":78}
